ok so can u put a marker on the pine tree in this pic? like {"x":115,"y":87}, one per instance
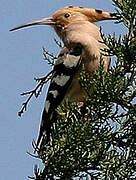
{"x":99,"y":143}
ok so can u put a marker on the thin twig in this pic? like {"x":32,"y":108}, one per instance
{"x":58,"y":43}
{"x":34,"y":145}
{"x":35,"y":92}
{"x":33,"y":155}
{"x":31,"y":177}
{"x":50,"y":57}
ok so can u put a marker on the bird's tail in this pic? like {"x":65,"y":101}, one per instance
{"x":45,"y":129}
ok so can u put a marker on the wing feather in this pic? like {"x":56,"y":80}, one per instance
{"x":66,"y":67}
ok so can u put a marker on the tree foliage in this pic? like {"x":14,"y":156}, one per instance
{"x":98,"y":141}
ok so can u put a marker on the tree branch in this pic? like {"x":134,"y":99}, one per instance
{"x":35,"y":92}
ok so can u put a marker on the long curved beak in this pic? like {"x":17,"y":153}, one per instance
{"x":44,"y":21}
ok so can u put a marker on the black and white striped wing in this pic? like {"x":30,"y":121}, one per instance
{"x":61,"y":80}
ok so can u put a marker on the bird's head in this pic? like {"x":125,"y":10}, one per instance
{"x":70,"y":14}
{"x":67,"y":15}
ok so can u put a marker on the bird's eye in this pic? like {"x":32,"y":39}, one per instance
{"x":67,"y":15}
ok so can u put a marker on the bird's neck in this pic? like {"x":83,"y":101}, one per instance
{"x":77,"y":32}
{"x":86,"y":35}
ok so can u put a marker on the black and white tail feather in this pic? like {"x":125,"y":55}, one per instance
{"x":62,"y":77}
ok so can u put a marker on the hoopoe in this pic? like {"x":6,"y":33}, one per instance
{"x":82,"y":46}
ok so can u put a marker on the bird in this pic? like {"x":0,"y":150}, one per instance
{"x":83,"y":45}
